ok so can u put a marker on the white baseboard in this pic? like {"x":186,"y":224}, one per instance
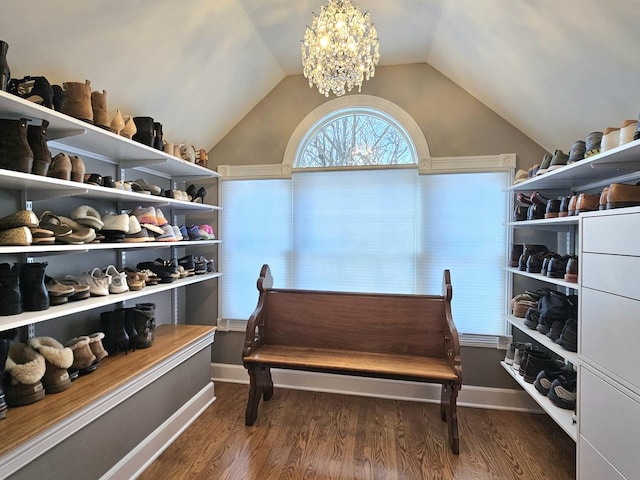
{"x":469,"y":396}
{"x":136,"y":461}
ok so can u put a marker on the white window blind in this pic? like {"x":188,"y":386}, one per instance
{"x":370,"y":230}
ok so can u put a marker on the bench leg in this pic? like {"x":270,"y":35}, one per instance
{"x":260,"y":385}
{"x":449,"y":413}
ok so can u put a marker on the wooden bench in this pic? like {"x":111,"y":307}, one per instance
{"x":402,"y":337}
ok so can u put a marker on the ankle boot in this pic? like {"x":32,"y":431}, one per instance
{"x":99,"y":107}
{"x":5,"y":72}
{"x":37,"y":137}
{"x":24,"y":370}
{"x":77,"y":102}
{"x":84,"y":361}
{"x":130,"y":327}
{"x":35,"y":296}
{"x":5,"y":341}
{"x":144,"y":130}
{"x":115,"y":335}
{"x":61,"y":167}
{"x":95,"y":344}
{"x":10,"y":290}
{"x":57,"y":360}
{"x":58,"y":97}
{"x":15,"y":152}
{"x":145,"y":323}
{"x":77,"y":169}
{"x":158,"y":144}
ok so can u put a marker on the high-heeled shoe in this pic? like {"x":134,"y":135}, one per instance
{"x":129,"y":129}
{"x":199,"y":196}
{"x":191,"y":192}
{"x":117,"y":124}
{"x":34,"y":89}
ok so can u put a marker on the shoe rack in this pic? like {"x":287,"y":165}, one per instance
{"x":607,"y":276}
{"x":130,"y":160}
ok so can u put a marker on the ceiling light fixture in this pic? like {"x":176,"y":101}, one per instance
{"x":340,"y":49}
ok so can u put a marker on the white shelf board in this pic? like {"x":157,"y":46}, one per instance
{"x":543,"y":278}
{"x":543,"y":339}
{"x":70,"y":308}
{"x":82,"y":138}
{"x":559,"y":415}
{"x":553,"y":224}
{"x":620,"y":162}
{"x":63,"y":249}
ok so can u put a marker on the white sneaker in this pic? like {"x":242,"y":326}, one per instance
{"x":98,"y":282}
{"x":168,"y":235}
{"x":118,"y":282}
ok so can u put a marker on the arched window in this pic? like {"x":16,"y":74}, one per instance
{"x":356,"y":137}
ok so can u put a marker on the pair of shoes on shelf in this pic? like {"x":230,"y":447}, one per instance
{"x":560,"y":385}
{"x":206,"y":232}
{"x":99,"y":180}
{"x":22,"y":229}
{"x":65,"y":167}
{"x":88,"y":352}
{"x":196,"y":196}
{"x":60,"y":226}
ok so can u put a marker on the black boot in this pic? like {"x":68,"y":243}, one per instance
{"x":5,"y":72}
{"x":10,"y":291}
{"x":144,"y":131}
{"x":35,"y":296}
{"x":145,"y":320}
{"x":115,"y":335}
{"x":130,"y":327}
{"x":37,"y":137}
{"x":15,"y":153}
{"x":5,"y":341}
{"x":157,"y":136}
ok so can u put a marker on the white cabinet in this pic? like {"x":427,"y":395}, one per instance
{"x":609,"y":389}
{"x":128,"y":160}
{"x":608,"y":288}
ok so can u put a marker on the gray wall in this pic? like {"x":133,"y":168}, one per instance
{"x":454,"y":124}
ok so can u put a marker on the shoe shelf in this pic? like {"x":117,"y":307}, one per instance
{"x":70,"y":308}
{"x":564,"y":418}
{"x":517,"y":322}
{"x":552,"y":224}
{"x":43,"y":250}
{"x":543,"y":278}
{"x":81,"y":138}
{"x":29,"y":431}
{"x":616,"y":165}
{"x":44,"y":188}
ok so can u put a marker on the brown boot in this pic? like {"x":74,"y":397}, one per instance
{"x":99,"y":107}
{"x":15,"y":152}
{"x":95,"y":344}
{"x":77,"y":102}
{"x":84,"y":361}
{"x":37,"y":137}
{"x":24,"y":370}
{"x":57,"y":359}
{"x":60,"y":167}
{"x":77,"y":169}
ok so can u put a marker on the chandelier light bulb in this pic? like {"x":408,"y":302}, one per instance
{"x":340,"y":49}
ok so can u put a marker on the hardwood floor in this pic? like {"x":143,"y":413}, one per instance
{"x":310,"y":435}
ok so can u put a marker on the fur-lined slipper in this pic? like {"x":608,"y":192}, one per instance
{"x":25,"y":367}
{"x":57,"y":359}
{"x":95,"y":344}
{"x":83,"y":359}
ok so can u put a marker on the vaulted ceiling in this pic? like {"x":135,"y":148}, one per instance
{"x":556,"y":70}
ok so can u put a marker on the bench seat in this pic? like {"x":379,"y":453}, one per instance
{"x":355,"y":362}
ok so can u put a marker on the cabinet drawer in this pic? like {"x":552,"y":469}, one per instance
{"x":616,"y":234}
{"x":609,"y":327}
{"x":612,"y":273}
{"x":610,"y":421}
{"x":593,"y":466}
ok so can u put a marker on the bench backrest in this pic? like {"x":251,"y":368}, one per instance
{"x":381,"y":323}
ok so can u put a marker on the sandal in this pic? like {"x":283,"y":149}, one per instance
{"x":52,"y":222}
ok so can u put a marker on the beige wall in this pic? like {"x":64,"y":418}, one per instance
{"x":454,"y":124}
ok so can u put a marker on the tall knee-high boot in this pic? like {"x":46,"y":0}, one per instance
{"x":113,"y":326}
{"x":10,"y":291}
{"x":35,"y":296}
{"x":5,"y":341}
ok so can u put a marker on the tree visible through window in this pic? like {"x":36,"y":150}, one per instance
{"x":356,"y":139}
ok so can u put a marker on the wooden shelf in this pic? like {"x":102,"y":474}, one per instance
{"x":562,"y":417}
{"x":27,"y":318}
{"x":618,"y":164}
{"x":543,"y":339}
{"x":77,"y":137}
{"x":28,"y":430}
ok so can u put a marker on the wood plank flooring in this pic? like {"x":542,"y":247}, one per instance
{"x":309,"y":435}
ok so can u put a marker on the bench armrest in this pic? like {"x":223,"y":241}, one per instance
{"x":254,"y":333}
{"x":451,"y":340}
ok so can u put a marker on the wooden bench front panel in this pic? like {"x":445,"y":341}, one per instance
{"x":394,"y":324}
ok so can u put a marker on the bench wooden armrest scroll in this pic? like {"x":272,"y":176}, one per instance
{"x":390,"y":336}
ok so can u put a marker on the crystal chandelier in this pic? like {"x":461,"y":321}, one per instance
{"x":340,"y":49}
